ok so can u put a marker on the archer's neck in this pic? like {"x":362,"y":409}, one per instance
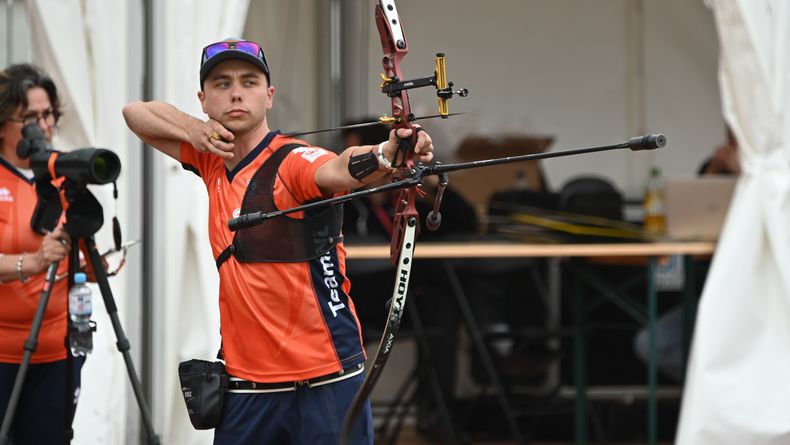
{"x":246,"y":142}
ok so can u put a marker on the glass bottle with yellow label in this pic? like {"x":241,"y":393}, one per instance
{"x":655,"y":222}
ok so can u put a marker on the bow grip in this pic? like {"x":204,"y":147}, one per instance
{"x":406,"y":145}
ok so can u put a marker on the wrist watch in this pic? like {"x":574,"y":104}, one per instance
{"x":383,"y":161}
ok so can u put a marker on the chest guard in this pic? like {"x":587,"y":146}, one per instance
{"x":283,"y":239}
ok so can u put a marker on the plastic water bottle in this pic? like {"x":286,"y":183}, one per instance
{"x":655,"y":222}
{"x":80,"y":310}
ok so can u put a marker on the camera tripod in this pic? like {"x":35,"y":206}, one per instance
{"x":83,"y":219}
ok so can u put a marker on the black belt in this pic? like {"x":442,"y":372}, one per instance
{"x":244,"y":386}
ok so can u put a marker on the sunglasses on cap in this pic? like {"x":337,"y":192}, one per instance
{"x":232,"y":49}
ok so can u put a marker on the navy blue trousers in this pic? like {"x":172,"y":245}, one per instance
{"x":40,"y":414}
{"x":306,"y":416}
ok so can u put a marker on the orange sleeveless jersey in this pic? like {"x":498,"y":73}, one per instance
{"x":19,"y":300}
{"x":279,"y":321}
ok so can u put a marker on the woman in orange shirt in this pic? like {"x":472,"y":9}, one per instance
{"x":28,"y":95}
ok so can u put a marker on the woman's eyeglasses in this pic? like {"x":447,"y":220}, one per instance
{"x":49,"y":116}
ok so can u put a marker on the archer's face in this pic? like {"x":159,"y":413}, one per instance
{"x":237,"y":95}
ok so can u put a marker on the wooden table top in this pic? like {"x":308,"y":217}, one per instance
{"x":512,"y":249}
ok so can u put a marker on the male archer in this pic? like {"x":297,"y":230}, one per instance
{"x":291,"y":340}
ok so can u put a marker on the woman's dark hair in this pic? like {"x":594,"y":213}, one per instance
{"x":16,"y":81}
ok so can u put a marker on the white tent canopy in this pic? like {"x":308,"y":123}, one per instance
{"x":737,"y":390}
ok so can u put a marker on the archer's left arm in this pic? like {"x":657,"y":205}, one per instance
{"x":335,"y":175}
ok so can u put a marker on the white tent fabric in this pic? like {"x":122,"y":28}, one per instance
{"x":186,"y":305}
{"x":83,"y":45}
{"x":737,"y":391}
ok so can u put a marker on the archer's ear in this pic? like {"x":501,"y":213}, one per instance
{"x":202,"y":98}
{"x":270,"y":93}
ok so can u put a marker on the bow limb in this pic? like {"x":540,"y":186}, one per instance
{"x":397,"y":305}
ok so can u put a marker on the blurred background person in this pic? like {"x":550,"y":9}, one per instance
{"x":724,"y":160}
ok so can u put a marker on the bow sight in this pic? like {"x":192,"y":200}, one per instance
{"x":392,"y":87}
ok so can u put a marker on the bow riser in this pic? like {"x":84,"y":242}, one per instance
{"x":395,"y":47}
{"x":405,"y":211}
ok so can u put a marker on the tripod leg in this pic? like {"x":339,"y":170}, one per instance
{"x":30,"y":347}
{"x":123,"y":342}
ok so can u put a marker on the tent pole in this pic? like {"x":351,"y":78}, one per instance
{"x":148,"y":220}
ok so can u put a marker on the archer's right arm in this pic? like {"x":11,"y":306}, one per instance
{"x":165,"y":127}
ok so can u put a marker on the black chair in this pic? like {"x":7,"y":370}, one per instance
{"x":593,"y":196}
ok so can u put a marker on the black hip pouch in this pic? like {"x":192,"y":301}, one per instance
{"x":203,"y":385}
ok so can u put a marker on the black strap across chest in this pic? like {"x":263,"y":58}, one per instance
{"x":283,"y":239}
